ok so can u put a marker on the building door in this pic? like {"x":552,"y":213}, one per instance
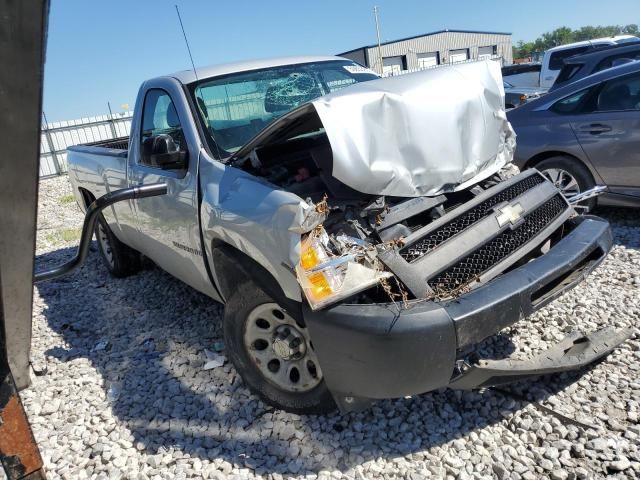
{"x":486,"y":52}
{"x":461,"y":55}
{"x":426,"y":60}
{"x":394,"y":65}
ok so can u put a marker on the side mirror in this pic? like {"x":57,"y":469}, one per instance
{"x":162,"y":152}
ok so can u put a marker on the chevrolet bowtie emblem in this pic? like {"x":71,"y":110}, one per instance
{"x":509,"y":214}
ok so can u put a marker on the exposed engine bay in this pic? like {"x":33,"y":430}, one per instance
{"x":444,"y":217}
{"x":360,"y":247}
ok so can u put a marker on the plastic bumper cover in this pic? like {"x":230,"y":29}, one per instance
{"x":576,"y":350}
{"x":377,"y":351}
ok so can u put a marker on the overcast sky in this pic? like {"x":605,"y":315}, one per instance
{"x":101,"y":51}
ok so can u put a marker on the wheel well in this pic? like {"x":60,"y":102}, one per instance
{"x":536,"y":159}
{"x":87,"y":197}
{"x":232,"y":267}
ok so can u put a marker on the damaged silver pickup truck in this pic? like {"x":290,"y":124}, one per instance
{"x":363,"y":233}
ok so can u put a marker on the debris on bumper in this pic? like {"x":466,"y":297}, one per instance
{"x":575,"y":351}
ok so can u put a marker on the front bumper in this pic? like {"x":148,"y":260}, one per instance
{"x":377,"y":351}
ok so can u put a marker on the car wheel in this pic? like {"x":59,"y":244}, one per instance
{"x":120,"y":259}
{"x":570,"y":176}
{"x":270,"y":347}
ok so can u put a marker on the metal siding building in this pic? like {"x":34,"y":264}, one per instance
{"x":436,"y":48}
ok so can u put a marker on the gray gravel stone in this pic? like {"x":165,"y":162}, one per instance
{"x":546,"y":464}
{"x":559,"y":475}
{"x":620,"y":465}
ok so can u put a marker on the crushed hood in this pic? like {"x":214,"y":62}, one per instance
{"x":421,"y":133}
{"x":418,"y":134}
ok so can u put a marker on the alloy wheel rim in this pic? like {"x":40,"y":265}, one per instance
{"x":281,"y":349}
{"x":104,"y":243}
{"x":563,"y":180}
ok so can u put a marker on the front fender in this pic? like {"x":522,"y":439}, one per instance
{"x":255,"y":218}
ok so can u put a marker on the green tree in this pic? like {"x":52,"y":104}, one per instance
{"x":631,"y":29}
{"x":559,"y":36}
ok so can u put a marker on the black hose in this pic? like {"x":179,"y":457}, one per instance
{"x":90,"y":218}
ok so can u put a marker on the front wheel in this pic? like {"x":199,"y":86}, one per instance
{"x":271,"y":349}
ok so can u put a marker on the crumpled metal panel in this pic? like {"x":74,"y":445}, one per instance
{"x":419,"y":134}
{"x":258,"y":219}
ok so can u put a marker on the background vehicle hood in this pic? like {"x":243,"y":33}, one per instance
{"x":419,"y":134}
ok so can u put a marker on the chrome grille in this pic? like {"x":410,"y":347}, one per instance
{"x":496,"y":250}
{"x":445,"y":232}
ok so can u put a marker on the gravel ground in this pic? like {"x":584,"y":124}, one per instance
{"x":126,"y":396}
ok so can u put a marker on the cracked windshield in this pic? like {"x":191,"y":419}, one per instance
{"x":236,"y":107}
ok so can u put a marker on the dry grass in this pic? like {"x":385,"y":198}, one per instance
{"x":66,"y":199}
{"x":65,"y":235}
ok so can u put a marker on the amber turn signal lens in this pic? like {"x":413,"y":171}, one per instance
{"x":319,"y":286}
{"x":309,"y":258}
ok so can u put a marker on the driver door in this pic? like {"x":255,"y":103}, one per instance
{"x":168,"y":225}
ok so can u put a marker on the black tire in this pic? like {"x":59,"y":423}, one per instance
{"x":120,"y":259}
{"x":243,"y":301}
{"x":574,"y":168}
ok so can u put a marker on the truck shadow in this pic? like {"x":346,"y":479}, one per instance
{"x":146,"y":336}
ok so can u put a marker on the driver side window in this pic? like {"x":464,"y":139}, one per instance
{"x":159,"y":117}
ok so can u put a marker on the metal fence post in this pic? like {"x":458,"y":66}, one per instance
{"x":52,"y":150}
{"x":112,"y":123}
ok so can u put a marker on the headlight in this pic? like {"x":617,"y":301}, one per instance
{"x":327,"y":278}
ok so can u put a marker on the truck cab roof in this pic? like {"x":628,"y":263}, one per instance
{"x":188,"y":76}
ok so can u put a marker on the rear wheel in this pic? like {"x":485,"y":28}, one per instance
{"x":271,"y":349}
{"x":569,"y":175}
{"x":120,"y":259}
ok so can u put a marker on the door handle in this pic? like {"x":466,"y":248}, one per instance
{"x":594,"y":128}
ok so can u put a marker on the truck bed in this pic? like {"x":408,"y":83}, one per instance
{"x":99,"y":167}
{"x":120,"y":143}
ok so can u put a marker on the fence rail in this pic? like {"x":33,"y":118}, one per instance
{"x":56,"y":137}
